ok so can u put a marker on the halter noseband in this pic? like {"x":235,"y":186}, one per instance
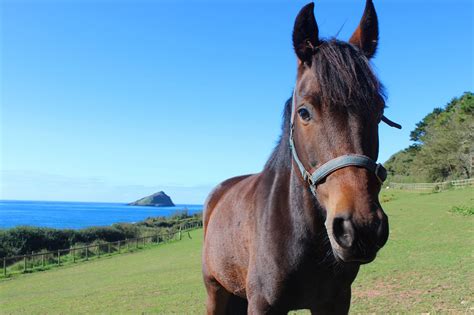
{"x":315,"y":177}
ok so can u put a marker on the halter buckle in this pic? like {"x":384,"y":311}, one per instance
{"x":309,"y":178}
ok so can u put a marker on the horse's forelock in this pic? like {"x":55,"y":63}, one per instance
{"x":344,"y":77}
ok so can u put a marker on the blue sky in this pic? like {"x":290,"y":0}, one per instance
{"x":113,"y":100}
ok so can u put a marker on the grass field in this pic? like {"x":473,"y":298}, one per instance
{"x":427,"y":266}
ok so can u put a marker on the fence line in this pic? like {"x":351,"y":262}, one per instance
{"x":88,"y":251}
{"x":434,"y":186}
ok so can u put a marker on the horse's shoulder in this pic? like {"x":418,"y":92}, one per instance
{"x":218,"y":192}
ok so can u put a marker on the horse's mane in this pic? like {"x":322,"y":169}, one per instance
{"x":345,"y":80}
{"x":281,"y":155}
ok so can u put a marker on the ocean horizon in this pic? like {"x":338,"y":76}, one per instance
{"x":79,"y":214}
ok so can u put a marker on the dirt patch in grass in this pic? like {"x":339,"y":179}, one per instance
{"x":403,"y":293}
{"x":387,"y":197}
{"x":383,"y":288}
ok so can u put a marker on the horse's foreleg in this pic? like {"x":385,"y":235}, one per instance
{"x":257,"y":306}
{"x":338,"y":306}
{"x":217,"y":297}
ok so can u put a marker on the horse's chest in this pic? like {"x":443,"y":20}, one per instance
{"x":320,"y":287}
{"x":306,"y":285}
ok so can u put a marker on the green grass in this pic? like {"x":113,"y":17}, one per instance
{"x":428,"y":263}
{"x":156,"y":280}
{"x":427,"y":266}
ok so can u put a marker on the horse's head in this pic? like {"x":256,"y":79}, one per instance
{"x":338,"y":104}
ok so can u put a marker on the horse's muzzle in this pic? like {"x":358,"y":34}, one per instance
{"x":353,"y":241}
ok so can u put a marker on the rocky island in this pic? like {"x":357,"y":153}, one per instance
{"x":159,"y":199}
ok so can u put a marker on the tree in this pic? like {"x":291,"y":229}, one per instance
{"x":444,"y":142}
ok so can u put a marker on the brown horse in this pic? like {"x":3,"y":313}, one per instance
{"x":294,"y":235}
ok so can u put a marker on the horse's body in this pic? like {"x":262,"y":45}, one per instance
{"x":265,"y":249}
{"x":271,"y":244}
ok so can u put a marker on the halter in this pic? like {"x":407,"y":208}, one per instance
{"x":315,"y":177}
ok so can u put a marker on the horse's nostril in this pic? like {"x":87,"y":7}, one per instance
{"x":343,"y":232}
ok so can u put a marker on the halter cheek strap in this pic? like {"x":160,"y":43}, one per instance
{"x":315,"y":177}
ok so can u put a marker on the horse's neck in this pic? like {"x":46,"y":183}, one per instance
{"x":293,"y":217}
{"x":304,"y":206}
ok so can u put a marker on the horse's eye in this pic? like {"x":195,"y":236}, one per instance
{"x":304,"y":114}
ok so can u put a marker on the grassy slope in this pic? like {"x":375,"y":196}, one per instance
{"x":161,"y":279}
{"x":426,"y":266}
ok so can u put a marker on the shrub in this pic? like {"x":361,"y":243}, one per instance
{"x":463,"y":210}
{"x":23,"y":240}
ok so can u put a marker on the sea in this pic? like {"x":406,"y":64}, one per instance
{"x":78,"y":215}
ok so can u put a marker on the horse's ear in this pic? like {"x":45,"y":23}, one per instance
{"x":366,"y":35}
{"x":305,"y":34}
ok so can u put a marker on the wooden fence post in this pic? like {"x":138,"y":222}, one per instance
{"x":59,"y":257}
{"x":136,"y":243}
{"x":42,"y":260}
{"x":108,"y":248}
{"x":73,"y":255}
{"x":5,"y":266}
{"x":87,"y":252}
{"x":119,"y":247}
{"x":98,"y":250}
{"x":24,"y":263}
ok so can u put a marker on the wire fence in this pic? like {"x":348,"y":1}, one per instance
{"x":47,"y":259}
{"x":434,"y":186}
